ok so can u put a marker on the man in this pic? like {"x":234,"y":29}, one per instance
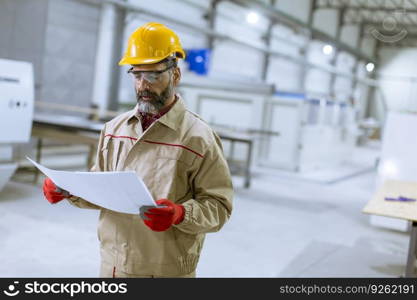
{"x":177,"y":155}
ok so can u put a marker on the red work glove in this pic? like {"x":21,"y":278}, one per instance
{"x":162,"y":218}
{"x":53,"y":193}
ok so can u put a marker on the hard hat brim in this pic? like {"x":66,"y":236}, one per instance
{"x":146,"y":61}
{"x":137,"y":61}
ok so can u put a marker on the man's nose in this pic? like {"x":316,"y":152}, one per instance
{"x":141,"y":83}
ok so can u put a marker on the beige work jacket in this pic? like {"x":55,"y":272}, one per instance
{"x":179,"y":157}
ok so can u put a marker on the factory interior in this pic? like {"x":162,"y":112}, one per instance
{"x":314,"y":102}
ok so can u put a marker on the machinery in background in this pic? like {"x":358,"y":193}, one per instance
{"x":16,"y":111}
{"x":316,"y":135}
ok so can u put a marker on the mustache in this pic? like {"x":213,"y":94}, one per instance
{"x":147,"y":94}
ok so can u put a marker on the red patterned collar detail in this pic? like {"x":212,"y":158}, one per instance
{"x":147,"y":119}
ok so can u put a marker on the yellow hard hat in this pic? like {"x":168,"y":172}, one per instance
{"x":151,"y":43}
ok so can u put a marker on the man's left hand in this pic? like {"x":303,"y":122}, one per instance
{"x":162,"y":218}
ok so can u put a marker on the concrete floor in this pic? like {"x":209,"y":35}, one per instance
{"x":280,"y":227}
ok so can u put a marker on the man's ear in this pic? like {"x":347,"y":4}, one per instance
{"x":177,"y":76}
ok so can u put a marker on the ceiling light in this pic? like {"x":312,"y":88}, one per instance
{"x":327,"y":49}
{"x":252,"y":18}
{"x":370,"y":67}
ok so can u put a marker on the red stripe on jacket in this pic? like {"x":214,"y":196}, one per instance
{"x":157,"y":143}
{"x":175,"y":145}
{"x":121,"y":136}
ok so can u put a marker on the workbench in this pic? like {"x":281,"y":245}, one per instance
{"x":406,"y":210}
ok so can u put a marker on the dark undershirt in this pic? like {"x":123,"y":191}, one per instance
{"x":147,"y":119}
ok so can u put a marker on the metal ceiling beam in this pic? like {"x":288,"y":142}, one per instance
{"x":359,"y":17}
{"x":333,"y":62}
{"x":277,"y":15}
{"x":410,"y":36}
{"x":369,"y":26}
{"x":267,"y":57}
{"x":211,"y":19}
{"x":304,"y":50}
{"x":368,"y":22}
{"x":367,"y":8}
{"x":355,"y":83}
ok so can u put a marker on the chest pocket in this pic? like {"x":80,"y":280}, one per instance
{"x":112,"y":151}
{"x":176,"y":152}
{"x":172,"y":167}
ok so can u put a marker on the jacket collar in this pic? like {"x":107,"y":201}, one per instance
{"x":171,"y":119}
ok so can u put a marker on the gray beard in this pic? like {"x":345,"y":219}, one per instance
{"x":156,"y":103}
{"x":149,"y":108}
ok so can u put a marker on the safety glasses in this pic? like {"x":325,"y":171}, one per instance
{"x":149,"y":76}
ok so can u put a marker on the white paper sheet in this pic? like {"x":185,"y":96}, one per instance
{"x":119,"y":191}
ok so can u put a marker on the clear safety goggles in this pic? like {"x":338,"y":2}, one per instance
{"x":149,"y":76}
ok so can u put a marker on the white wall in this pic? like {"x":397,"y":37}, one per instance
{"x":397,"y":65}
{"x":69,"y":53}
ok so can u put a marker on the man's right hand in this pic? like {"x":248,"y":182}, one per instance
{"x":53,"y":193}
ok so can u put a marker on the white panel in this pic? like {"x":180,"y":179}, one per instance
{"x":399,"y":92}
{"x":326,"y":20}
{"x":233,"y":60}
{"x":345,"y":62}
{"x":175,"y":9}
{"x":343,"y":86}
{"x":318,"y":81}
{"x":368,"y":46}
{"x":230,"y":113}
{"x":349,"y":35}
{"x":236,"y":62}
{"x":231,"y":20}
{"x":16,"y":101}
{"x":219,"y":111}
{"x":285,"y":74}
{"x":283,"y":149}
{"x":315,"y":53}
{"x":299,"y":9}
{"x":399,"y":147}
{"x":285,"y":40}
{"x":325,"y":146}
